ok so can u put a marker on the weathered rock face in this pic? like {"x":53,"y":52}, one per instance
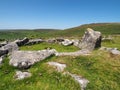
{"x":10,"y":47}
{"x":24,"y":59}
{"x":34,"y":41}
{"x":3,"y":43}
{"x":60,"y":67}
{"x":21,"y":75}
{"x":66,"y":42}
{"x":3,"y":52}
{"x":90,"y":40}
{"x":21,"y":42}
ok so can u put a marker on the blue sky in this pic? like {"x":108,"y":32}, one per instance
{"x":59,"y":14}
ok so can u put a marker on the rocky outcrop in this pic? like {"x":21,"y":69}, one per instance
{"x":67,"y":42}
{"x":24,"y":59}
{"x":9,"y":47}
{"x":77,"y":53}
{"x":21,"y":75}
{"x":3,"y":43}
{"x":34,"y":41}
{"x":90,"y":40}
{"x":21,"y":42}
{"x":59,"y":67}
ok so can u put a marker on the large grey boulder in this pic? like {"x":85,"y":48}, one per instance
{"x":9,"y":47}
{"x":21,"y":42}
{"x":24,"y":59}
{"x":90,"y":40}
{"x":67,"y":42}
{"x":21,"y":75}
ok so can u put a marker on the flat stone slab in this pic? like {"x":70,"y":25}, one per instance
{"x":77,"y":53}
{"x":59,"y":67}
{"x":24,"y":59}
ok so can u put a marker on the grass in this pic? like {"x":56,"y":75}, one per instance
{"x":59,"y":48}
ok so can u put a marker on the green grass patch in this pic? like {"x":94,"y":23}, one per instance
{"x":58,"y":47}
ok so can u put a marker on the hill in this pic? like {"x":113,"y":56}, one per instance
{"x":104,"y":28}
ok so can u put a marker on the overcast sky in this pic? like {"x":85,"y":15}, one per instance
{"x":57,"y":14}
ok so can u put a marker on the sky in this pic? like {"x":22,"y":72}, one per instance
{"x":56,"y":14}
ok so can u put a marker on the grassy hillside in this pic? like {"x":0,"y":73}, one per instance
{"x":104,"y":28}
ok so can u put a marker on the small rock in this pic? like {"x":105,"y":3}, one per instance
{"x":21,"y":75}
{"x":115,"y":52}
{"x":66,"y":42}
{"x":82,"y":81}
{"x":24,"y":59}
{"x":77,"y":53}
{"x":60,"y":67}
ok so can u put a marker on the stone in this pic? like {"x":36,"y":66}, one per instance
{"x":51,"y":40}
{"x":21,"y":75}
{"x":115,"y":52}
{"x":1,"y":59}
{"x":82,"y":81}
{"x":59,"y":40}
{"x":77,"y":53}
{"x":10,"y":47}
{"x":107,"y":49}
{"x":21,"y":42}
{"x":34,"y":41}
{"x":3,"y":43}
{"x":60,"y":67}
{"x":24,"y":59}
{"x":66,"y":42}
{"x":90,"y":40}
{"x":76,"y":42}
{"x":3,"y":52}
